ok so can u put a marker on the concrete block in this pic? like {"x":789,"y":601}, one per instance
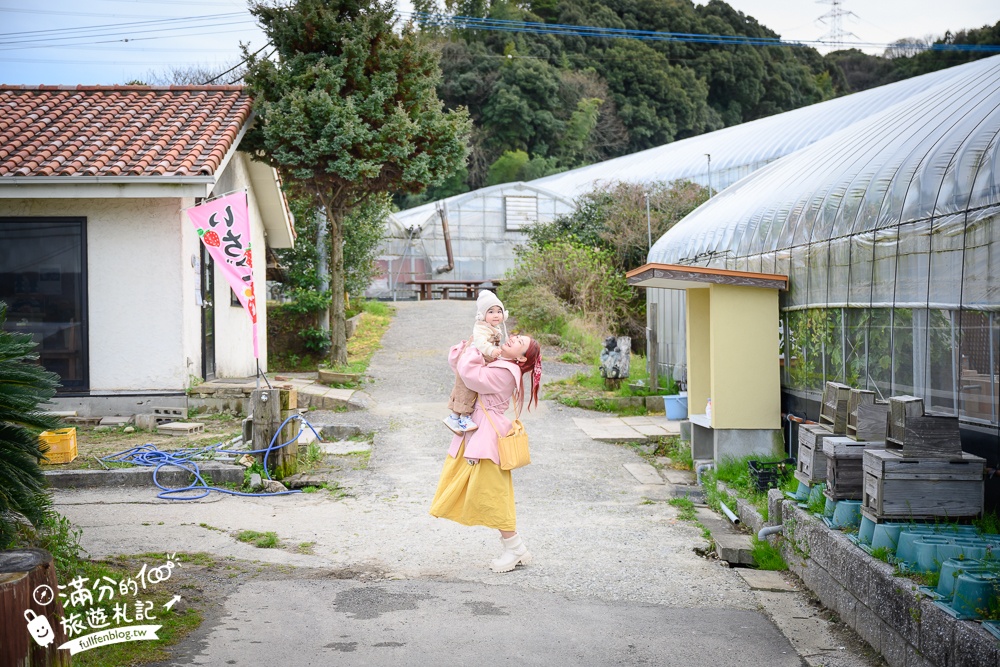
{"x":764,"y":580}
{"x":685,"y":430}
{"x":973,"y":646}
{"x":681,"y":477}
{"x":894,"y":648}
{"x":116,"y":421}
{"x":893,"y":602}
{"x":180,"y":429}
{"x":734,"y":548}
{"x":846,"y":607}
{"x":869,"y":628}
{"x":654,"y":404}
{"x":937,"y":630}
{"x":179,"y":412}
{"x":736,"y":443}
{"x":775,"y":497}
{"x":643,"y":473}
{"x":221,"y":473}
{"x":345,"y":447}
{"x":915,"y":659}
{"x":332,"y":432}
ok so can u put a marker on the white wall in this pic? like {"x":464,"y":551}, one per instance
{"x":139,"y":333}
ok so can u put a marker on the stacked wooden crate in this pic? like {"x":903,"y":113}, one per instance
{"x":810,"y":466}
{"x":923,"y":472}
{"x":866,"y":424}
{"x":833,"y":412}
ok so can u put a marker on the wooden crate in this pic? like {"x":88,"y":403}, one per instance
{"x":810,"y":465}
{"x":844,"y":470}
{"x":898,"y":488}
{"x":833,"y":411}
{"x":866,"y":416}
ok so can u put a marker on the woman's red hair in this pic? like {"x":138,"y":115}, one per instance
{"x":532,"y":365}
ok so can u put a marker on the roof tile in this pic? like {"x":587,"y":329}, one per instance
{"x":118,"y":130}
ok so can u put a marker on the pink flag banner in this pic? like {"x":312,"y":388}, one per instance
{"x":224,"y":227}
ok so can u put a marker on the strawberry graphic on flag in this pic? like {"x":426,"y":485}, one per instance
{"x":223,"y":225}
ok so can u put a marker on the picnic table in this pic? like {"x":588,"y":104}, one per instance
{"x":445,"y":287}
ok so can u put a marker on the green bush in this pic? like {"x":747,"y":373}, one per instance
{"x":535,"y":307}
{"x":580,"y":277}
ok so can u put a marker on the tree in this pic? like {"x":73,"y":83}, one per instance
{"x":348,"y":111}
{"x":24,"y":385}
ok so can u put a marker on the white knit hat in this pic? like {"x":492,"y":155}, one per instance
{"x":487,"y":300}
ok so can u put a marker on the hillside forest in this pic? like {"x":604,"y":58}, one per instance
{"x":545,"y":103}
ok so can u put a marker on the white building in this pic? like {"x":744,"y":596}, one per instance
{"x":98,"y":261}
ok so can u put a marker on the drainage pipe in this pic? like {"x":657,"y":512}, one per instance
{"x":443,"y":213}
{"x":703,"y":468}
{"x":729,"y":513}
{"x":767,"y":531}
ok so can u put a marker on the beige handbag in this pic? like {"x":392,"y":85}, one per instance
{"x":513,"y":446}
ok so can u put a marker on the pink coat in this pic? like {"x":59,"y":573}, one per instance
{"x":496,"y":383}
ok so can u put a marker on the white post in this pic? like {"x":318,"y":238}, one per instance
{"x":709,"y":156}
{"x":649,"y":228}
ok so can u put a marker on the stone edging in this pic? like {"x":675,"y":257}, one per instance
{"x":887,"y":611}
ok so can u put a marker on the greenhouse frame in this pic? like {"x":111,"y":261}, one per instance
{"x":889,"y":233}
{"x":486,"y":225}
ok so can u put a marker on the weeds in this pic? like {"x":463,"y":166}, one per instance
{"x":685,"y":508}
{"x":268,"y":540}
{"x":767,"y":556}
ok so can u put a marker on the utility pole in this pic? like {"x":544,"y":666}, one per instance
{"x":709,"y":156}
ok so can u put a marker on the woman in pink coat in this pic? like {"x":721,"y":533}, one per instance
{"x":473,"y":490}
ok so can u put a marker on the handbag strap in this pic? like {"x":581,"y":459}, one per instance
{"x":487,"y":412}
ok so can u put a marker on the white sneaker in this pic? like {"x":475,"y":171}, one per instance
{"x":455,"y":424}
{"x":467,"y":424}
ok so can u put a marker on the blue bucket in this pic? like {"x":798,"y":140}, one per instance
{"x":676,"y":407}
{"x":847,"y":515}
{"x":866,"y":530}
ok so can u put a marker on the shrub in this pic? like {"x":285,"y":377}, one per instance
{"x":536,"y":308}
{"x":581,"y":277}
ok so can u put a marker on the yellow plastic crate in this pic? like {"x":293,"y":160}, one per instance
{"x":61,"y":443}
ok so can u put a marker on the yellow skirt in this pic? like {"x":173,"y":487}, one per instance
{"x":479,"y":495}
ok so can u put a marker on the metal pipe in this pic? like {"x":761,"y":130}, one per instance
{"x":702,"y":468}
{"x":729,"y":514}
{"x":443,"y":212}
{"x":767,"y":531}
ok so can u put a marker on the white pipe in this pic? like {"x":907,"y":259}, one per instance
{"x":702,"y":468}
{"x":729,"y":513}
{"x":767,"y":531}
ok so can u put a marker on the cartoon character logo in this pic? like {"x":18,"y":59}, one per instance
{"x":39,"y":628}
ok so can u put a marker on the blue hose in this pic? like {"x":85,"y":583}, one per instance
{"x":149,"y":456}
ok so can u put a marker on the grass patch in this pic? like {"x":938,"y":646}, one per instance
{"x":305,"y":548}
{"x":685,"y":508}
{"x":881,"y":553}
{"x":766,"y":556}
{"x":268,"y":540}
{"x":678,"y":451}
{"x":363,"y":458}
{"x":989,"y":524}
{"x":367,"y":339}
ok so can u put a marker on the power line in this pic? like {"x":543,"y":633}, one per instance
{"x":527,"y":27}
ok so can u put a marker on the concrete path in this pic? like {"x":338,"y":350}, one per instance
{"x":615,"y":580}
{"x":627,"y":429}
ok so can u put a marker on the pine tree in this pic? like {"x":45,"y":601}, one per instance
{"x":349,"y":109}
{"x":24,"y":385}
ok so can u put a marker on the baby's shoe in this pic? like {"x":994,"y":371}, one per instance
{"x":467,"y":424}
{"x":454,"y":423}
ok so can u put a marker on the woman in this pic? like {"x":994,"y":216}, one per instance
{"x":473,"y":490}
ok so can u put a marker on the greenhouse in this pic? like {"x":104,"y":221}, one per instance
{"x":889,"y":233}
{"x":487,"y":224}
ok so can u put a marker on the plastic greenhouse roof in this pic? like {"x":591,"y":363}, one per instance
{"x":751,"y":144}
{"x":929,"y":159}
{"x":736,"y":151}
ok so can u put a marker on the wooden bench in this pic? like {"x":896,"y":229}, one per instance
{"x":468,"y":288}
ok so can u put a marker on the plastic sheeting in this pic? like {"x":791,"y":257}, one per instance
{"x":889,"y":232}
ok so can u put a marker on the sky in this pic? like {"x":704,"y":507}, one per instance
{"x":71,"y":42}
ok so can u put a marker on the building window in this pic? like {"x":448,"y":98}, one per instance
{"x":43,"y":283}
{"x":519,"y":212}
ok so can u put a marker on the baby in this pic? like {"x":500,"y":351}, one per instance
{"x":486,"y":337}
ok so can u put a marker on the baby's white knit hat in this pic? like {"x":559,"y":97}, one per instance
{"x":487,"y":300}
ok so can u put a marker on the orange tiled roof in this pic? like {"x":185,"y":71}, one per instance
{"x":118,"y":130}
